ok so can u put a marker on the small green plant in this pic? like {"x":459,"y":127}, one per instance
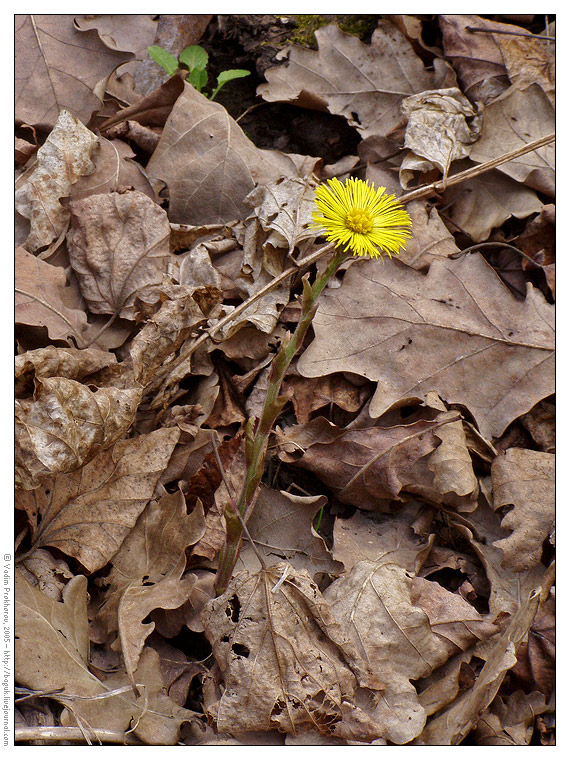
{"x":195,"y":60}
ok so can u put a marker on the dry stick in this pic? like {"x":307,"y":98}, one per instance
{"x":70,"y":733}
{"x":514,"y":34}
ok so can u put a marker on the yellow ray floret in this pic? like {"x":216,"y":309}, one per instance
{"x":363,"y":220}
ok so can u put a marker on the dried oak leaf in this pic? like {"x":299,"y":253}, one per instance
{"x":524,"y":479}
{"x":209,"y":164}
{"x":65,"y":424}
{"x":511,"y":122}
{"x":282,"y":668}
{"x":457,"y":331}
{"x":60,"y":162}
{"x":52,"y":654}
{"x":41,"y":299}
{"x":310,"y":394}
{"x":476,"y":57}
{"x":482,"y":203}
{"x":58,"y":67}
{"x":131,"y":32}
{"x":88,"y":513}
{"x":364,"y":83}
{"x":118,"y":244}
{"x":536,"y":657}
{"x":147,"y":572}
{"x":365,"y":466}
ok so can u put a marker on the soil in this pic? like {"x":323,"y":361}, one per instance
{"x":253,"y":42}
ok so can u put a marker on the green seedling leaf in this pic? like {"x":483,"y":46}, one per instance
{"x":195,"y":57}
{"x":165,"y":59}
{"x":227,"y":76}
{"x":198,"y":79}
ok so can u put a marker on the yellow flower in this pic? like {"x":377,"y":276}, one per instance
{"x":361,"y":218}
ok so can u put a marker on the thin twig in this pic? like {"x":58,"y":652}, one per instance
{"x":69,"y":733}
{"x":490,"y":244}
{"x":514,"y":34}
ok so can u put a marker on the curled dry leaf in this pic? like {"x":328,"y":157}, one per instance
{"x":524,"y":479}
{"x":452,"y":725}
{"x":456,"y":330}
{"x":88,"y":513}
{"x":51,"y":575}
{"x":70,"y":363}
{"x":63,"y":158}
{"x":147,"y":572}
{"x":118,"y":244}
{"x":284,"y":209}
{"x":438,"y":129}
{"x":512,"y":121}
{"x":41,"y":299}
{"x":65,"y":424}
{"x":364,"y":83}
{"x":208,"y":163}
{"x":59,"y":68}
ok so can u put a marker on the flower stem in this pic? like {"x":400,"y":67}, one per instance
{"x":257,"y":435}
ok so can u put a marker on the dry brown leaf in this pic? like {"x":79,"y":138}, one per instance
{"x":363,"y":83}
{"x":511,"y":122}
{"x":88,"y":513}
{"x":524,"y":479}
{"x":386,"y":537}
{"x":450,"y":616}
{"x":536,"y":657}
{"x":118,"y":244}
{"x":65,"y":424}
{"x":480,"y":204}
{"x":529,"y":60}
{"x":457,"y":331}
{"x":375,"y":612}
{"x":368,"y":465}
{"x":153,"y":109}
{"x":309,"y":394}
{"x":133,"y":32}
{"x":430,"y":240}
{"x":147,"y":572}
{"x":451,"y":462}
{"x":541,"y":424}
{"x":114,"y":170}
{"x":476,"y":57}
{"x":281,"y":668}
{"x":58,"y":67}
{"x":208,"y":163}
{"x":438,"y":129}
{"x":60,"y":162}
{"x":452,"y":725}
{"x":281,"y":525}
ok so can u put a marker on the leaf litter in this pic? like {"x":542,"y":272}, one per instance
{"x":405,"y":522}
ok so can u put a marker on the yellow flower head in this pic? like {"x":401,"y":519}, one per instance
{"x":361,"y":218}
